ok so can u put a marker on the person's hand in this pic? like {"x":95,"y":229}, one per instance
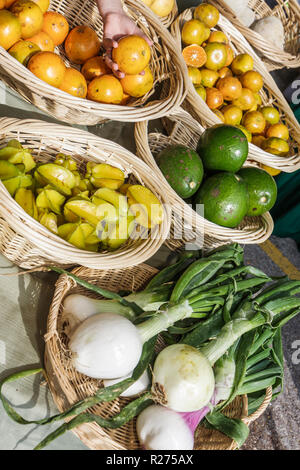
{"x":116,"y":26}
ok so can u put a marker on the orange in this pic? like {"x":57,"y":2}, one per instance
{"x":216,"y":55}
{"x":232,"y":115}
{"x":56,"y":26}
{"x":49,"y":67}
{"x":258,"y":99}
{"x":74,"y":83}
{"x":209,"y":77}
{"x":2,"y":4}
{"x":95,"y":67}
{"x":10,"y":29}
{"x":220,"y":115}
{"x":252,"y":80}
{"x":194,"y":55}
{"x":278,"y":130}
{"x":218,"y":36}
{"x":230,"y":87}
{"x":201,"y":91}
{"x":137,"y":85}
{"x":208,"y":14}
{"x":194,"y":32}
{"x":30,"y":16}
{"x":43,"y":4}
{"x":246,"y":101}
{"x":43,"y":40}
{"x":132,"y":55}
{"x":225,"y":72}
{"x":105,"y":89}
{"x":195,"y":75}
{"x":230,"y":55}
{"x":23,"y":51}
{"x":254,"y":122}
{"x":241,"y":64}
{"x":214,"y":98}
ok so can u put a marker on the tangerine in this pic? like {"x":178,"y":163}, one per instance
{"x":216,"y":55}
{"x":218,"y":36}
{"x":241,"y":64}
{"x":232,"y":115}
{"x":195,"y":75}
{"x":230,"y":87}
{"x":214,"y":98}
{"x":132,"y":55}
{"x":43,"y":4}
{"x":209,"y":77}
{"x":56,"y":26}
{"x":278,"y":130}
{"x":194,"y":55}
{"x":225,"y":72}
{"x":74,"y":83}
{"x":230,"y":55}
{"x":246,"y":100}
{"x":208,"y":14}
{"x":105,"y":89}
{"x":254,"y":122}
{"x":193,"y":32}
{"x":252,"y":80}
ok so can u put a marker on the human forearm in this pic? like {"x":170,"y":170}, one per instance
{"x":109,"y":6}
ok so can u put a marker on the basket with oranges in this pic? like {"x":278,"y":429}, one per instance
{"x":61,"y":48}
{"x":229,"y":83}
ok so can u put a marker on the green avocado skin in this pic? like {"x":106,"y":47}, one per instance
{"x":182,"y":168}
{"x":225,"y":199}
{"x":262,"y":190}
{"x":223,"y":148}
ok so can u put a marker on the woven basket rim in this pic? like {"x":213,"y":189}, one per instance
{"x":222,"y":233}
{"x":63,"y":285}
{"x":101,"y":111}
{"x":52,"y":246}
{"x":287,"y":164}
{"x":269,"y":50}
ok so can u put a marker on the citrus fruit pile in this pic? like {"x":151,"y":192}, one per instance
{"x":30,"y":33}
{"x":212,"y":178}
{"x":228,"y":84}
{"x":94,"y":210}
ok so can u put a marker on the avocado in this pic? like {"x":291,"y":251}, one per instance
{"x":223,"y":148}
{"x":225,"y":199}
{"x":262,"y":190}
{"x":182,"y":168}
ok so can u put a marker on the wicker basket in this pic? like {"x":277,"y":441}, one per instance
{"x":288,"y":13}
{"x":166,"y":64}
{"x":68,"y":386}
{"x":271,"y":95}
{"x":184,"y":130}
{"x":29,"y":244}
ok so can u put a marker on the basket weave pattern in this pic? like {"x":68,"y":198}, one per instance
{"x":29,"y":244}
{"x":184,"y":130}
{"x":270,"y":94}
{"x":68,"y":386}
{"x":166,"y":65}
{"x":288,"y":13}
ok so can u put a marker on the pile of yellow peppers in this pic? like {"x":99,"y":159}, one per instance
{"x":94,"y":211}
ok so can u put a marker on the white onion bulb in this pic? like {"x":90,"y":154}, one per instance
{"x":159,"y":428}
{"x":184,"y":376}
{"x":137,"y":387}
{"x":105,"y":346}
